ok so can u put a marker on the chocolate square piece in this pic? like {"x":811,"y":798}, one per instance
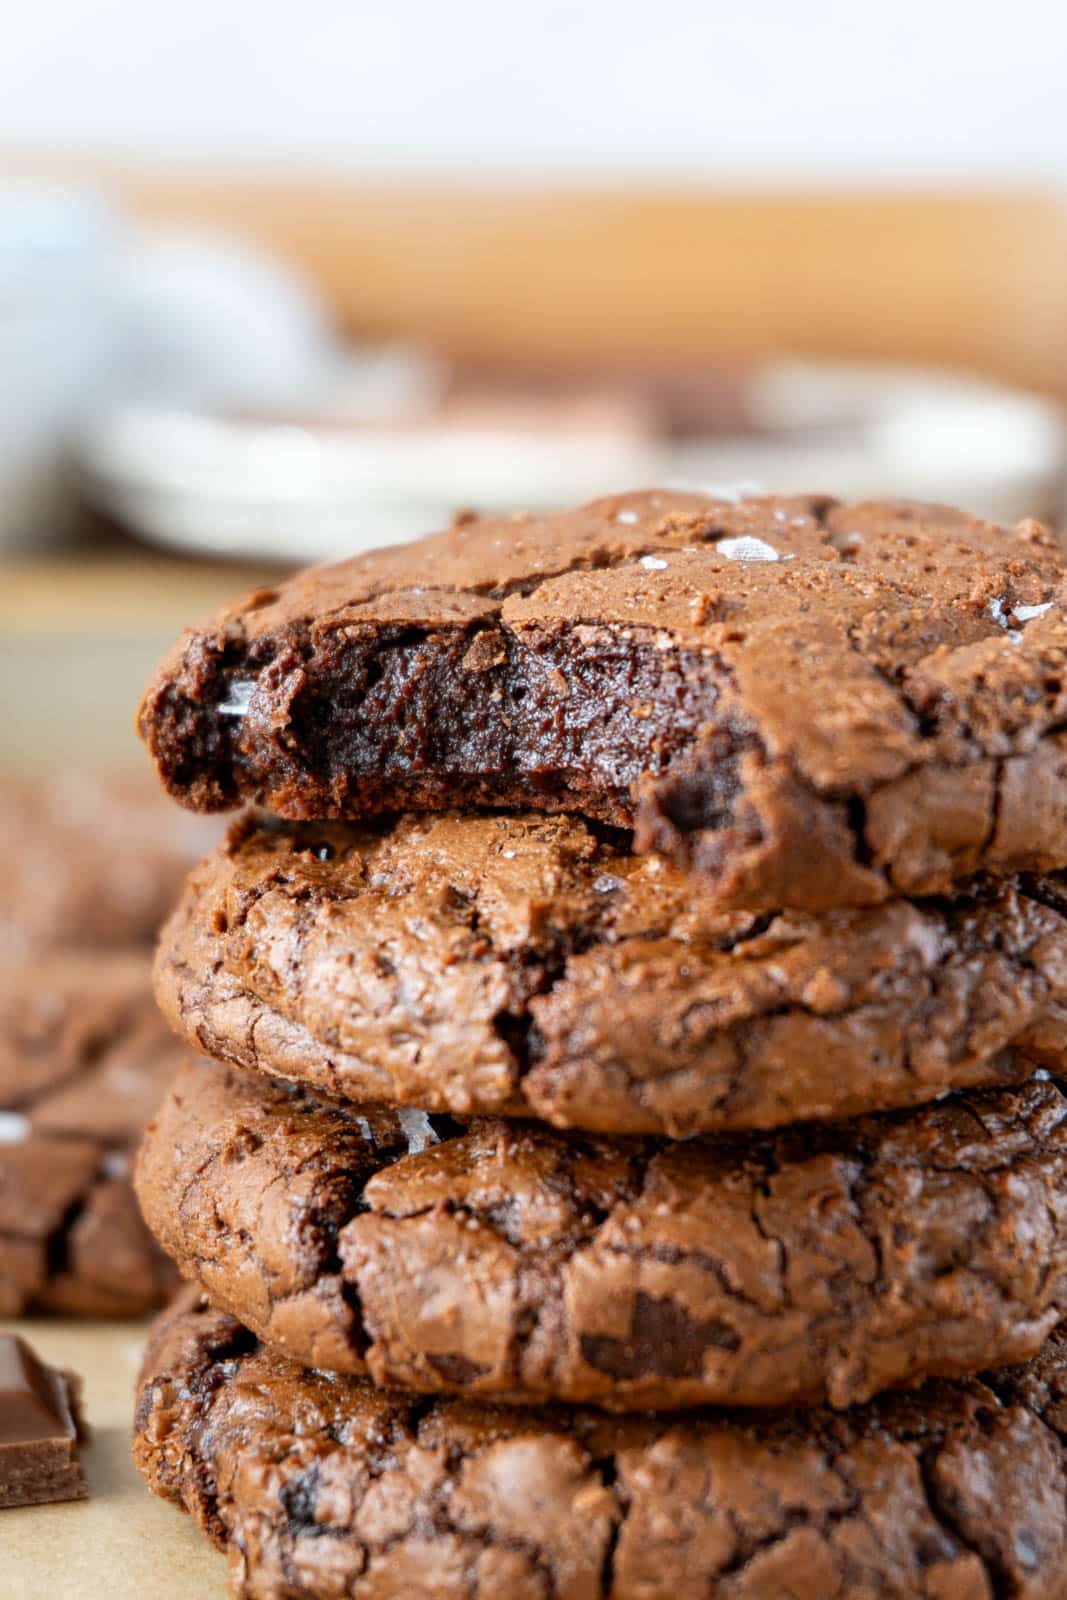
{"x":39,"y":1429}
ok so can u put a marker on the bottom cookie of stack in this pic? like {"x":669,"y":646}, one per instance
{"x":321,"y":1485}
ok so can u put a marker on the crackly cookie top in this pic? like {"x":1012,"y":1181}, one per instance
{"x":532,"y":965}
{"x":505,"y":1260}
{"x":606,"y":556}
{"x":316,"y":1484}
{"x":804,"y":702}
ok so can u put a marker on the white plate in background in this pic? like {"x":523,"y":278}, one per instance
{"x":226,"y":485}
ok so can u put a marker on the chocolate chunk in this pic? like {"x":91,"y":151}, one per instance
{"x":804,"y":703}
{"x":39,"y":1429}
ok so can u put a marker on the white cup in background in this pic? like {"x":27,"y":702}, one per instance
{"x":59,"y":348}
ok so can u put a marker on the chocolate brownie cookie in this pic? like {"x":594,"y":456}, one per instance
{"x":522,"y":965}
{"x":504,"y":1259}
{"x":90,"y":860}
{"x":806,"y":704}
{"x":84,"y":1060}
{"x":319,"y":1485}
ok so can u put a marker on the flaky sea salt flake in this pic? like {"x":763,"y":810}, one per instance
{"x":418,"y":1130}
{"x":747,"y":548}
{"x":238,"y":699}
{"x":14,"y":1129}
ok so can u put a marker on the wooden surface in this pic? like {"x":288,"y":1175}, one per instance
{"x":122,"y":1543}
{"x":136,"y":591}
{"x":976,"y":279}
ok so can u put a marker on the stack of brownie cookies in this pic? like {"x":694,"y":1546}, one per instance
{"x":630,"y":1159}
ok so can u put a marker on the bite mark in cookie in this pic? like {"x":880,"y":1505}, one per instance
{"x":878,"y":711}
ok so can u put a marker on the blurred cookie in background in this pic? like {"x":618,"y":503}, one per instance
{"x":90,"y":860}
{"x":84,"y":1060}
{"x":91,"y":866}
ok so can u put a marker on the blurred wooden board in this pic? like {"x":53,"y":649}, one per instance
{"x":973,"y":278}
{"x":142,"y":592}
{"x":122,"y":1543}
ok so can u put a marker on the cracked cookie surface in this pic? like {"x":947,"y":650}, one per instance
{"x":320,"y":1485}
{"x":525,"y":965}
{"x":503,"y":1259}
{"x":84,"y":1060}
{"x":804,"y":703}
